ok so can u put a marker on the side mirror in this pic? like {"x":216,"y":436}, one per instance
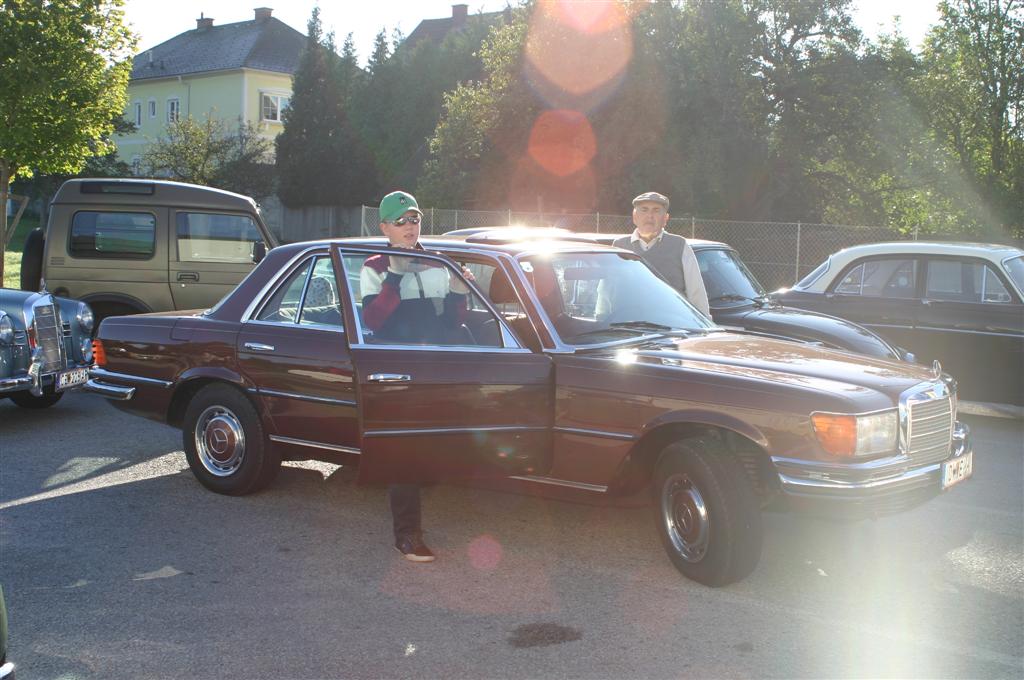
{"x":259,"y":251}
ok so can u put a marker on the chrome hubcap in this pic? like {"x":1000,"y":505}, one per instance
{"x":686,"y":517}
{"x":220,"y":441}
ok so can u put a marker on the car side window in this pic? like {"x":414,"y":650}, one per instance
{"x":213,"y":237}
{"x":884,"y":277}
{"x":283,"y":305}
{"x":320,"y":302}
{"x":964,"y":281}
{"x":412,"y":300}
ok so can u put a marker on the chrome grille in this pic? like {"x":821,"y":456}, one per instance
{"x":930,"y":429}
{"x":49,"y":336}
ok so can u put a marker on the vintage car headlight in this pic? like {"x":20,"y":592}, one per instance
{"x":857,"y":435}
{"x":85,"y":318}
{"x":6,"y":329}
{"x":87,"y":350}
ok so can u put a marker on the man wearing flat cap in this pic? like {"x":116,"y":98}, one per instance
{"x":668,"y":254}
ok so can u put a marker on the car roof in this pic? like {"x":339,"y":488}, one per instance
{"x":513,"y":248}
{"x":989,"y":251}
{"x":522,"y":233}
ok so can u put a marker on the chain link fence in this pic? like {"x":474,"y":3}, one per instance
{"x":778,"y":253}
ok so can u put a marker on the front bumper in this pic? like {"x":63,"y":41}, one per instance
{"x":867,"y":489}
{"x":7,"y":671}
{"x":18,"y":384}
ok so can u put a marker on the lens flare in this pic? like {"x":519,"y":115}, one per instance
{"x":484,"y":552}
{"x":562,"y":142}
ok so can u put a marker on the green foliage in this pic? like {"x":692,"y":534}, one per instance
{"x":208,"y":152}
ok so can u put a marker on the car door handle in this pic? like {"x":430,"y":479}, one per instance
{"x":259,"y":347}
{"x":188,"y":276}
{"x":388,"y":377}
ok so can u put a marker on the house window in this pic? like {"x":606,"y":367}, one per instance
{"x":173,"y":110}
{"x":136,"y":165}
{"x":152,"y":108}
{"x":273,"y":105}
{"x":137,"y":113}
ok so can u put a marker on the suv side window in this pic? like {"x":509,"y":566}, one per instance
{"x":118,"y":235}
{"x":213,"y":237}
{"x":885,"y":277}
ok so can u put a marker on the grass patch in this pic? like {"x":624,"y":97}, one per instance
{"x":12,"y":255}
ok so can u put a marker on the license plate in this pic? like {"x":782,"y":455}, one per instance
{"x":72,"y":378}
{"x":957,"y":470}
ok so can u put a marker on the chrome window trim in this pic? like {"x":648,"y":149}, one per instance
{"x":583,"y":486}
{"x":508,"y":338}
{"x":445,"y":348}
{"x":451,"y":430}
{"x":314,"y":445}
{"x":260,"y":298}
{"x":311,"y":326}
{"x":1013,"y":282}
{"x":304,"y":397}
{"x":594,"y":433}
{"x":103,"y":373}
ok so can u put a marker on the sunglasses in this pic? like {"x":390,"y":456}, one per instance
{"x":412,"y":219}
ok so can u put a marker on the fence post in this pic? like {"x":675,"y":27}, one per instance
{"x":456,"y":218}
{"x":431,"y":220}
{"x":598,"y":223}
{"x":915,"y":232}
{"x":693,"y":227}
{"x":362,"y":221}
{"x":510,"y":217}
{"x":796,"y":268}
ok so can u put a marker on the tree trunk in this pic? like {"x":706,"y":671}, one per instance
{"x":5,"y":181}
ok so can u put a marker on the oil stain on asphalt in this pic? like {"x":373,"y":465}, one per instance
{"x":542,"y":635}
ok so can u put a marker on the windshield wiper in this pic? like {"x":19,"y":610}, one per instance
{"x":760,"y":300}
{"x":641,"y":326}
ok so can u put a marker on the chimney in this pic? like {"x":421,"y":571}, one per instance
{"x":459,"y":14}
{"x":202,"y":22}
{"x":263,"y":13}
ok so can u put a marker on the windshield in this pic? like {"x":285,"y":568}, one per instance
{"x":726,"y":278}
{"x":600,"y":297}
{"x":1015,"y":268}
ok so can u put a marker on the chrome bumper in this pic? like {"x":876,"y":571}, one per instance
{"x":873,"y":488}
{"x":15,"y":385}
{"x":118,"y":392}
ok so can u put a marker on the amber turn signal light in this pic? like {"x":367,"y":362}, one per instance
{"x":837,"y":433}
{"x":99,"y":355}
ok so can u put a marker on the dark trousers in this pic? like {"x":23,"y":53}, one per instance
{"x":405,"y":510}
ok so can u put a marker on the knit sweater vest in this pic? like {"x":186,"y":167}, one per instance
{"x":666,"y":257}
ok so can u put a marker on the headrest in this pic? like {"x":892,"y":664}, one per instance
{"x":501,"y":289}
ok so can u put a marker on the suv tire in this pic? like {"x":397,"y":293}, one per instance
{"x":32,"y":260}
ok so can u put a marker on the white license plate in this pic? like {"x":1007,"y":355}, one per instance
{"x":957,"y":470}
{"x":72,"y":378}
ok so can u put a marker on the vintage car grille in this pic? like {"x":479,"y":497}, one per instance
{"x":930,"y":429}
{"x":49,"y":336}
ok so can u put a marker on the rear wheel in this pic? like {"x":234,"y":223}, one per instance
{"x":224,"y":442}
{"x":708,"y":514}
{"x":28,"y":400}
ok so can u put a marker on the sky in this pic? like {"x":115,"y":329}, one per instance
{"x":156,"y":21}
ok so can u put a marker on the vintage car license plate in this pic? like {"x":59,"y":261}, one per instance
{"x":72,"y":378}
{"x":957,"y":470}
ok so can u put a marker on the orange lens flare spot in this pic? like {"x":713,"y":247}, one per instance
{"x":837,"y":433}
{"x":586,"y":17}
{"x":562,"y":142}
{"x":485,"y":552}
{"x":99,"y":355}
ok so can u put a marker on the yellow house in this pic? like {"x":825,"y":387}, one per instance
{"x":241,"y":70}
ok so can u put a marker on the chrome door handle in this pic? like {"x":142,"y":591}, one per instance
{"x":259,"y":347}
{"x":389,"y":377}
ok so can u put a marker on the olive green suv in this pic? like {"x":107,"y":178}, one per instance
{"x":127,"y":246}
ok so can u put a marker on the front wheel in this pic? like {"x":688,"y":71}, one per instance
{"x":708,"y":515}
{"x":224,"y":442}
{"x":26,"y":399}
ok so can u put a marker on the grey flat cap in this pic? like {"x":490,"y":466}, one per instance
{"x":653,"y":197}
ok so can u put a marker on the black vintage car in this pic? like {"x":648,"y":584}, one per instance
{"x":736,"y":298}
{"x":959,"y":303}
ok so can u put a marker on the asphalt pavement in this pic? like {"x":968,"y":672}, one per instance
{"x":116,"y":563}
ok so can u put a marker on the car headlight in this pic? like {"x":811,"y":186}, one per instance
{"x":87,"y":350}
{"x":85,"y":318}
{"x":857,"y":435}
{"x":6,"y":329}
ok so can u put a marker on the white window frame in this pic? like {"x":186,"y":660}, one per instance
{"x":136,"y":166}
{"x":278,"y":96}
{"x":152,"y":107}
{"x":175,"y":104}
{"x":137,"y":113}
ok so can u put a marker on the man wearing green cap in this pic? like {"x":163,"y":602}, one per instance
{"x":668,"y":254}
{"x":409,"y":300}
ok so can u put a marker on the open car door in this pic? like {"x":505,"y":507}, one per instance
{"x":445,"y":390}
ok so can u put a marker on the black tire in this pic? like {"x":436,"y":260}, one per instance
{"x":28,"y":400}
{"x":225,"y":444}
{"x":707,"y":513}
{"x":32,"y":261}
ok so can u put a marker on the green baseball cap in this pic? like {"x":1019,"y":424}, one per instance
{"x":396,"y":204}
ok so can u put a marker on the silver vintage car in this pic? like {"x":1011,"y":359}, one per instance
{"x":45,"y":346}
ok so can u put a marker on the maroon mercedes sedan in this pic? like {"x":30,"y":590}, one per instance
{"x":559,"y":367}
